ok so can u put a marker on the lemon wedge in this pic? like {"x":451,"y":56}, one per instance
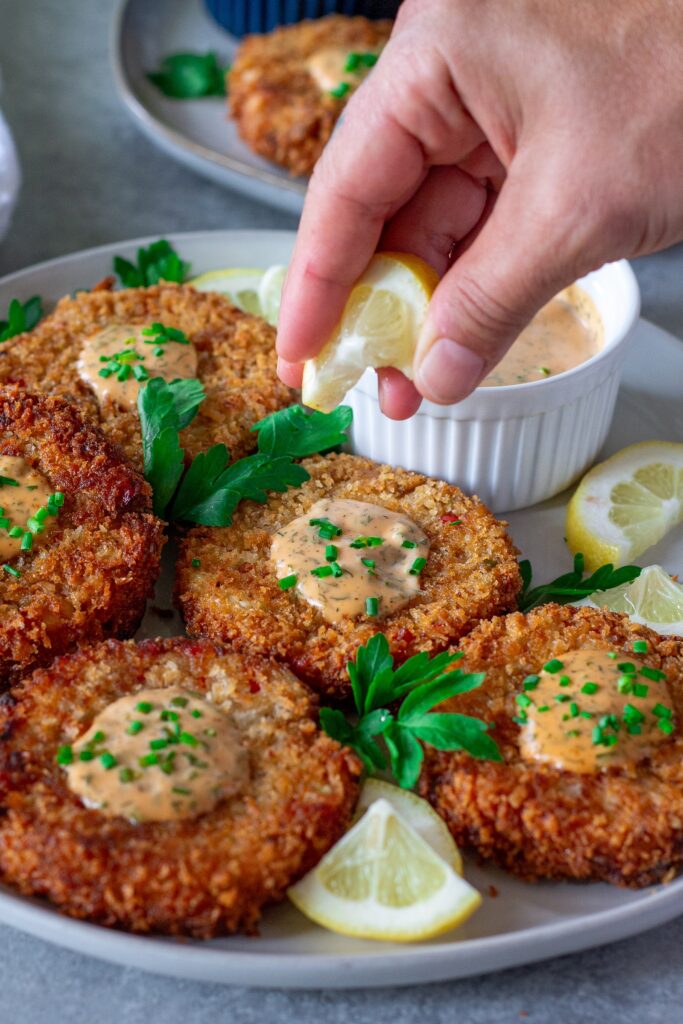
{"x":626,"y":504}
{"x":383,"y":881}
{"x":379,"y":327}
{"x":417,"y":813}
{"x":239,"y":284}
{"x":653,"y":599}
{"x":270,"y":292}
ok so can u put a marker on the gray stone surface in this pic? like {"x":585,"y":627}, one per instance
{"x":91,"y":178}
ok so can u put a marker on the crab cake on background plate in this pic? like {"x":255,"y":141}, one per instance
{"x":79,"y":548}
{"x":288,"y":88}
{"x":586,"y":709}
{"x":167,"y":786}
{"x":359,"y":548}
{"x":98,"y":348}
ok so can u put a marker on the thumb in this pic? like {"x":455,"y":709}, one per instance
{"x":517,"y":262}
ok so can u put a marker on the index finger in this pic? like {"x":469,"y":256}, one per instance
{"x":370,"y":168}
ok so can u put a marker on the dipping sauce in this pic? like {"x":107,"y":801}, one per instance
{"x":23,"y":492}
{"x":588,"y":710}
{"x":157,"y":755}
{"x":351,"y":558}
{"x":336,"y":68}
{"x":117,"y":360}
{"x":563,"y":334}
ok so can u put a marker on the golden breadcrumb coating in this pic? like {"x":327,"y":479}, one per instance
{"x":233,"y":596}
{"x":202,"y":876}
{"x":236,"y":362}
{"x":620,"y":825}
{"x":280,"y":110}
{"x":92,"y":575}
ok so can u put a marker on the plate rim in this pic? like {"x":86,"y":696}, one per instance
{"x":156,"y":129}
{"x":416,"y":963}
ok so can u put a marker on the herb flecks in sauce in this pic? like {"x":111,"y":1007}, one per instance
{"x":29,"y":507}
{"x":613,"y":711}
{"x":565,"y":333}
{"x":348,"y":585}
{"x":337,"y":71}
{"x":117,"y":360}
{"x":157,"y":755}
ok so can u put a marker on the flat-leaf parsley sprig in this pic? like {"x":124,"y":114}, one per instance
{"x":157,"y":262}
{"x":419,"y":684}
{"x":21,"y":317}
{"x":190,"y":76}
{"x":572,"y":586}
{"x":212,"y":487}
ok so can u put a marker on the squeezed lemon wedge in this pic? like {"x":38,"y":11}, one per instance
{"x":379,"y":327}
{"x":383,"y":881}
{"x":249,"y":288}
{"x":626,"y":504}
{"x":653,"y":599}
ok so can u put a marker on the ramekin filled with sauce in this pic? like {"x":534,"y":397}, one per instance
{"x":538,"y":421}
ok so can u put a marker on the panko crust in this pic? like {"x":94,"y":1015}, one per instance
{"x":200,"y":877}
{"x":280,"y":111}
{"x":236,"y":362}
{"x":233,"y":596}
{"x":91,"y":577}
{"x":623,"y":826}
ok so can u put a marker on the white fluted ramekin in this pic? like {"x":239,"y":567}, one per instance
{"x":516,"y":445}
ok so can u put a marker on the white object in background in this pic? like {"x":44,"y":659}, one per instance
{"x":10,"y":176}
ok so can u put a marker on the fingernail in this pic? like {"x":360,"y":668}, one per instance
{"x":449,"y":372}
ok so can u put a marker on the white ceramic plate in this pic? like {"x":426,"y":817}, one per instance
{"x":196,"y":132}
{"x":521,"y":923}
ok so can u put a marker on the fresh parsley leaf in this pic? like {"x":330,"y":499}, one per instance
{"x":21,"y":317}
{"x":165,"y":409}
{"x":572,"y":586}
{"x":212,"y":489}
{"x":298,"y":434}
{"x":166,"y":464}
{"x":190,"y":76}
{"x":421,"y":683}
{"x":159,"y":261}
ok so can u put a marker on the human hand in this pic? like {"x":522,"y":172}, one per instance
{"x":531,"y":141}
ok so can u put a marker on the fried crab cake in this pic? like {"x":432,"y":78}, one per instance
{"x":591,"y":782}
{"x":282,"y":85}
{"x":359,"y":548}
{"x":79,"y":547}
{"x":232,"y":353}
{"x":206,"y":789}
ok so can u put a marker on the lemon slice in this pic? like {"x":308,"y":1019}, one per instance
{"x":239,"y":284}
{"x":654,"y":599}
{"x":417,"y":813}
{"x":379,"y":327}
{"x":627,"y":503}
{"x":383,"y":881}
{"x":270,"y":292}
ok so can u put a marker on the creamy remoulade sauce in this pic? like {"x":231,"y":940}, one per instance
{"x":588,"y":710}
{"x":564,"y":333}
{"x":374,"y":553}
{"x":170,"y":360}
{"x":20,"y":501}
{"x":327,"y":67}
{"x":158,"y":755}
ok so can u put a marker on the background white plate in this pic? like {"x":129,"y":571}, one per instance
{"x":521,"y":923}
{"x":196,"y":132}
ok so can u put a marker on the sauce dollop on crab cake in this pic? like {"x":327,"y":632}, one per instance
{"x":359,"y":548}
{"x":586,"y":709}
{"x":288,"y":88}
{"x":167,"y":786}
{"x":98,"y":349}
{"x":79,"y":548}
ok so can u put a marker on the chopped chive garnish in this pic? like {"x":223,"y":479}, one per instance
{"x":287,"y":582}
{"x":627,"y":666}
{"x":8,"y":481}
{"x":417,"y":566}
{"x":123,"y":373}
{"x":322,"y":571}
{"x":340,"y":90}
{"x":521,"y":719}
{"x":543,"y":707}
{"x":86,"y":755}
{"x":189,"y":739}
{"x":144,"y":707}
{"x":12,"y":571}
{"x":196,"y":713}
{"x":126,"y":775}
{"x":108,"y":761}
{"x":158,"y":744}
{"x":59,"y":498}
{"x":632,"y":714}
{"x":169,"y":716}
{"x":179,"y":702}
{"x":589,"y":688}
{"x":41,"y":514}
{"x":327,"y":526}
{"x":596,"y":735}
{"x":366,"y":542}
{"x":640,"y":690}
{"x":148,"y":760}
{"x":140,"y":373}
{"x":544,"y":370}
{"x":331,"y":553}
{"x":553,"y":666}
{"x":530,"y":682}
{"x":652,"y":673}
{"x":4,"y":523}
{"x":408,"y":544}
{"x":158,"y":352}
{"x":195,"y":563}
{"x":640,"y":647}
{"x":633,"y":730}
{"x":371,"y":606}
{"x":180,"y":790}
{"x":565,"y":680}
{"x":562,"y":698}
{"x":99,"y":737}
{"x":16,"y":531}
{"x":337,"y":570}
{"x":27,"y":542}
{"x":65,"y":755}
{"x":587,"y":714}
{"x":523,"y":700}
{"x":574,"y":709}
{"x":662,"y":711}
{"x":612,"y":655}
{"x":666,"y":725}
{"x":625,"y":684}
{"x":134,"y":728}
